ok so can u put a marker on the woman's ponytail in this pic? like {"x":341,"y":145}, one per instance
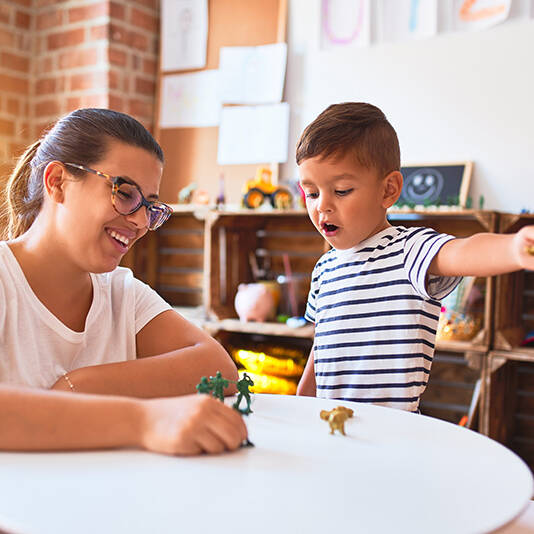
{"x":23,"y":199}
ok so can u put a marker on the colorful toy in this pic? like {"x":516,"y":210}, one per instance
{"x":243,"y":393}
{"x":336,"y":418}
{"x":530,"y":250}
{"x":260,"y":188}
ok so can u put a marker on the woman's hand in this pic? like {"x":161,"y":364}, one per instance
{"x":189,"y":425}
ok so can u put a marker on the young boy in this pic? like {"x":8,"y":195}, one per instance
{"x":374,"y":297}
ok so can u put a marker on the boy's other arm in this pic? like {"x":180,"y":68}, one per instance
{"x":485,"y":254}
{"x":307,"y":386}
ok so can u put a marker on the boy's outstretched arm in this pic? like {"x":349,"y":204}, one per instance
{"x":485,"y":254}
{"x":307,"y":386}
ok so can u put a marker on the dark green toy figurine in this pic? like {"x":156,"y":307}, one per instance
{"x":218,"y":384}
{"x":204,"y":386}
{"x":243,"y":392}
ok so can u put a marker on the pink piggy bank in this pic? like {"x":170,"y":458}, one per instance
{"x":254,"y":302}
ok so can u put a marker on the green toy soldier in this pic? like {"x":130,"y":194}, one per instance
{"x":243,"y":389}
{"x":204,"y":386}
{"x":218,"y":384}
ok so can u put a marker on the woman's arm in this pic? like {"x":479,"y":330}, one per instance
{"x":172,"y":356}
{"x":34,"y":420}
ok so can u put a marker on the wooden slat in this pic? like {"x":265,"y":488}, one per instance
{"x":180,"y":259}
{"x":180,"y":298}
{"x":185,"y":280}
{"x":193,"y":241}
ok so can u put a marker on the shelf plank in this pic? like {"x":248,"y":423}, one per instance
{"x":268,"y":329}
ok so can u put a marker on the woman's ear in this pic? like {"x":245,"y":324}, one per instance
{"x":54,"y":178}
{"x":392,"y":188}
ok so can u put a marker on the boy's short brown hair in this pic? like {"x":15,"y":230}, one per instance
{"x":352,"y":127}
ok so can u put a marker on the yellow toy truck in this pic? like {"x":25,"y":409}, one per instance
{"x":260,"y":188}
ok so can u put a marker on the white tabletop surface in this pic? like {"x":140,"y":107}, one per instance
{"x":394,"y":472}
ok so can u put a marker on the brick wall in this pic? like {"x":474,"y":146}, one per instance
{"x":15,"y":80}
{"x":95,"y":54}
{"x":59,"y":55}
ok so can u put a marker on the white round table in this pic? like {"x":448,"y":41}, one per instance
{"x":394,"y":472}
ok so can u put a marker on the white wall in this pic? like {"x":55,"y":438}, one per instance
{"x":455,"y":97}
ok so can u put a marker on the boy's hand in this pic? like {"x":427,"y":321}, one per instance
{"x":524,"y":247}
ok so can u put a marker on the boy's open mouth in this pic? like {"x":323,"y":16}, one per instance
{"x":329,"y":229}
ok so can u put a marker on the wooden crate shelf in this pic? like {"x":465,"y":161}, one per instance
{"x":508,"y":390}
{"x":514,"y":299}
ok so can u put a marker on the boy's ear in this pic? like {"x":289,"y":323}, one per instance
{"x":392,"y":188}
{"x":54,"y":178}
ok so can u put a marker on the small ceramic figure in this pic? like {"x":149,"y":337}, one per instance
{"x":336,"y":418}
{"x":254,"y":302}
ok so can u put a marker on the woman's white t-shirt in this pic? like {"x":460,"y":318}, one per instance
{"x":36,"y":348}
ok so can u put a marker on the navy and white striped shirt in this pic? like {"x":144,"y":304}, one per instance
{"x":376,"y":312}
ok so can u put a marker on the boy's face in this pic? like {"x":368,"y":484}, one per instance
{"x":345,"y":201}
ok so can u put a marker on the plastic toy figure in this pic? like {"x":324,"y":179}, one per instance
{"x":336,"y":418}
{"x":204,"y":386}
{"x":218,"y":383}
{"x":530,"y":250}
{"x":261,"y":187}
{"x":243,"y":392}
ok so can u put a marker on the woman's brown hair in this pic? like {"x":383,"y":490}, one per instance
{"x":81,"y":137}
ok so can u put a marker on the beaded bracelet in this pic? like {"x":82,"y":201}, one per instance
{"x":66,"y":377}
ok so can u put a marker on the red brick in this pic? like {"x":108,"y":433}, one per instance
{"x":68,"y":38}
{"x":141,"y":19}
{"x":94,"y":101}
{"x":150,"y":67}
{"x":24,"y":42}
{"x":7,"y":38}
{"x":136,"y":62}
{"x":14,"y":62}
{"x":22,"y":20}
{"x":118,"y":34}
{"x":113,"y":79}
{"x":45,"y":86}
{"x":7,"y":127}
{"x":12,"y":84}
{"x":117,"y":11}
{"x":139,"y":41}
{"x":151,"y":4}
{"x":5,"y":13}
{"x":116,"y":103}
{"x":44,"y":66}
{"x":17,"y":149}
{"x":78,"y":57}
{"x":47,"y":108}
{"x":13,"y":106}
{"x":145,"y":87}
{"x":97,"y":33}
{"x":117,"y":57}
{"x":140,"y":108}
{"x":74,"y":103}
{"x":25,"y":3}
{"x":89,"y":80}
{"x":88,"y":12}
{"x":49,"y":19}
{"x":47,"y":3}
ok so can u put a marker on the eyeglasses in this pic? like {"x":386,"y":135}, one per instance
{"x":127,"y":198}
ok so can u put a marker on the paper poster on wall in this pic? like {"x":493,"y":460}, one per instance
{"x":252,"y":74}
{"x":190,"y":100}
{"x":254,"y":134}
{"x":400,"y":20}
{"x":184,"y":34}
{"x":472,"y":15}
{"x":345,"y":23}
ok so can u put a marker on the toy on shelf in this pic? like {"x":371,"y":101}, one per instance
{"x":336,"y":418}
{"x":185,"y":195}
{"x":255,"y":302}
{"x":221,"y":199}
{"x":261,"y":188}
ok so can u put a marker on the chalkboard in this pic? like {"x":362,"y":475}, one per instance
{"x":436,"y":184}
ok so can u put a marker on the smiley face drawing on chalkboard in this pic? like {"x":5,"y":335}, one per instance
{"x":423,"y":186}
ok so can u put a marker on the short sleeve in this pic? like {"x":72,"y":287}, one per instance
{"x":311,"y":306}
{"x":421,"y":246}
{"x":148,"y":304}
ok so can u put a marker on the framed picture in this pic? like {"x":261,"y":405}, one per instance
{"x":436,"y":184}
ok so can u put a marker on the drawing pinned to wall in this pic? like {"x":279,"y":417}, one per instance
{"x":345,"y":23}
{"x":190,"y":100}
{"x":401,"y":20}
{"x":252,"y":74}
{"x":254,"y":134}
{"x":184,"y":34}
{"x":479,"y":14}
